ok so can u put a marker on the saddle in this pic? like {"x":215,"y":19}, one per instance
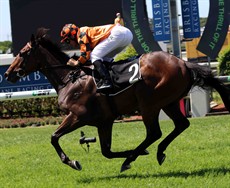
{"x":123,"y":74}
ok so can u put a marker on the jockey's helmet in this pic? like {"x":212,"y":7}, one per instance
{"x":118,"y":14}
{"x":69,"y":31}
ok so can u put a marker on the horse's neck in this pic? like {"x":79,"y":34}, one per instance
{"x":54,"y":70}
{"x":54,"y":79}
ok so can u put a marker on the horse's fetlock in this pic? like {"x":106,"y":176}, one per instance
{"x":132,"y":157}
{"x":64,"y":159}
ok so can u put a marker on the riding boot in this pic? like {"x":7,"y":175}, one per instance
{"x":104,"y":74}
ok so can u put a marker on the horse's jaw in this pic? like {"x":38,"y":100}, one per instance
{"x":12,"y":77}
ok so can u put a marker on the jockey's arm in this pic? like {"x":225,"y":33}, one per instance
{"x":84,"y":49}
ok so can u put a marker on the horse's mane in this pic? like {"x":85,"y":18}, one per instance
{"x":43,"y":39}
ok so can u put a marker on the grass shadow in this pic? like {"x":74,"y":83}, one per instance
{"x":180,"y":174}
{"x":175,"y":174}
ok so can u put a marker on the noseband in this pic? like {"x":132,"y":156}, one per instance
{"x":25,"y":55}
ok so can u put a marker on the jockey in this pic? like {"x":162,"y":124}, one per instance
{"x":119,"y":19}
{"x":95,"y":44}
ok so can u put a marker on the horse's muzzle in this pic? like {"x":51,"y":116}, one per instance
{"x":13,"y":76}
{"x":6,"y":74}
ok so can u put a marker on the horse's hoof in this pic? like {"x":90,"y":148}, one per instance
{"x":125,"y":167}
{"x":75,"y":165}
{"x":145,"y":152}
{"x":161,"y":158}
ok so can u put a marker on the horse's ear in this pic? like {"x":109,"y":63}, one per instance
{"x":45,"y":31}
{"x":42,"y":33}
{"x":32,"y":38}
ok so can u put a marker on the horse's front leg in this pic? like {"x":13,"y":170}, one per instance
{"x":105,"y":136}
{"x":69,"y":124}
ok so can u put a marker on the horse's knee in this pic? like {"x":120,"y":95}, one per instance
{"x":107,"y":153}
{"x":54,"y":139}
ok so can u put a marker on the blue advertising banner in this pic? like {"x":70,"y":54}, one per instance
{"x":190,"y":18}
{"x":161,"y":20}
{"x":34,"y":81}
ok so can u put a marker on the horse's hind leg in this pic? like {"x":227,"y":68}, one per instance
{"x":153,"y":133}
{"x":180,"y":122}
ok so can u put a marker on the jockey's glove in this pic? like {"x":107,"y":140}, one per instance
{"x":74,"y":63}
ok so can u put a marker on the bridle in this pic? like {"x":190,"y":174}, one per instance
{"x":25,"y":55}
{"x":21,"y":72}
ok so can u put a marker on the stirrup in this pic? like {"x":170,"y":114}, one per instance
{"x":104,"y":87}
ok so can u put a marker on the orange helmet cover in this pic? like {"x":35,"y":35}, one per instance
{"x":68,"y":31}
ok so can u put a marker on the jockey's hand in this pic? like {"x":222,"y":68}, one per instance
{"x":73,"y":63}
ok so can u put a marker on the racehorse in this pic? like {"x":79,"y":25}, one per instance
{"x":165,"y":80}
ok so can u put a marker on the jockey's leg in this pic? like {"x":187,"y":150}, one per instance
{"x":104,"y":74}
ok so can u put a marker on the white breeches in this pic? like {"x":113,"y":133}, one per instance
{"x":119,"y":38}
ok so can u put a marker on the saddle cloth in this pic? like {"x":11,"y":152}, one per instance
{"x":123,"y":74}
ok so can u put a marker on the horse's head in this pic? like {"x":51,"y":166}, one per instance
{"x":21,"y":67}
{"x":32,"y":58}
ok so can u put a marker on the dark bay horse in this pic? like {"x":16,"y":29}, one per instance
{"x":165,"y":80}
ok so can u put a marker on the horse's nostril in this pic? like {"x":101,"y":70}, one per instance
{"x":20,"y":73}
{"x":6,"y":75}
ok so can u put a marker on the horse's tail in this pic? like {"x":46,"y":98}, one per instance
{"x":203,"y":77}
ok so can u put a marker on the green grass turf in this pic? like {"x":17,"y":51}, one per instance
{"x":197,"y":158}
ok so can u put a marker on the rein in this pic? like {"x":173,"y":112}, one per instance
{"x":53,"y":66}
